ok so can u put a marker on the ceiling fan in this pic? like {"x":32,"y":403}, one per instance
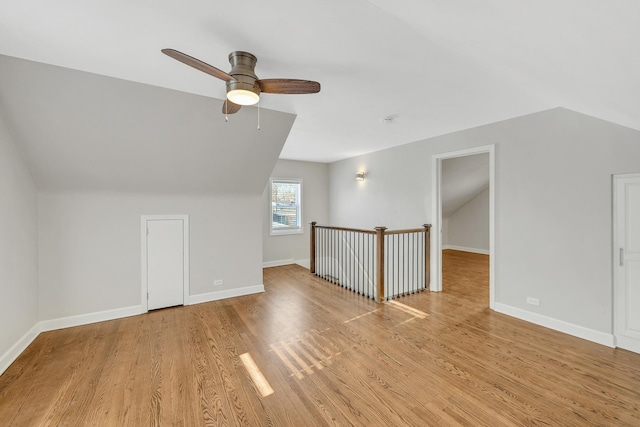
{"x":243,"y":86}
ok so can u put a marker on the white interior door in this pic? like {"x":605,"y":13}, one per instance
{"x":627,"y":261}
{"x":165,"y":263}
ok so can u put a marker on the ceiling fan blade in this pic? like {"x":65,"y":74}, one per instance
{"x":289,"y":86}
{"x":197,"y":64}
{"x":229,"y":107}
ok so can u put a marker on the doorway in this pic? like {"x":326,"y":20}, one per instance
{"x":626,"y":256}
{"x":164,"y":261}
{"x":437,"y":218}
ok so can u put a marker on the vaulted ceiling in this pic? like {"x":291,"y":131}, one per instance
{"x":433,"y":67}
{"x":463,"y":178}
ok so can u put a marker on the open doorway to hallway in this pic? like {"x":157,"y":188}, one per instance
{"x":465,"y":225}
{"x":463,"y":219}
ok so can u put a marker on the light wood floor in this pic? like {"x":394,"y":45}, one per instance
{"x":331,"y":358}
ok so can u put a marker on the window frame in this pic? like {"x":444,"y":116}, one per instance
{"x":288,"y":230}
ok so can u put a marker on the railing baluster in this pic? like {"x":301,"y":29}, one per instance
{"x":394,"y":264}
{"x":412,"y":254}
{"x":339,"y":255}
{"x":390,"y":266}
{"x":353,"y":258}
{"x":330,"y":255}
{"x":360,"y":260}
{"x":404,"y":267}
{"x":371,"y":263}
{"x":350,"y":257}
{"x":324,"y":254}
{"x":336,"y":242}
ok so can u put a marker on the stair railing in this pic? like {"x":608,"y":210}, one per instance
{"x":381,"y":264}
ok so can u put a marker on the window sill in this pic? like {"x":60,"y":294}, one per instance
{"x":285,"y":232}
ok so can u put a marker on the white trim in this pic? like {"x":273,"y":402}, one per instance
{"x":88,"y":318}
{"x":16,"y":350}
{"x":557,"y":325}
{"x":465,"y":249}
{"x":286,"y":230}
{"x":306,"y":263}
{"x":64,"y":322}
{"x":436,"y":216}
{"x":627,"y":343}
{"x":278,"y":263}
{"x":301,"y":262}
{"x":143,"y":255}
{"x":618,"y":271}
{"x":118,"y":313}
{"x":229,"y":293}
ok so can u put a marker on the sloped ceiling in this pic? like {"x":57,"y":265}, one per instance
{"x":433,"y":66}
{"x":463,"y":178}
{"x":85,"y":132}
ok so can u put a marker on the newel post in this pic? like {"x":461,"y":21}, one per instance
{"x":312,"y":256}
{"x":427,"y":256}
{"x":380,"y":263}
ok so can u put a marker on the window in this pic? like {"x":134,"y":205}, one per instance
{"x":286,"y":206}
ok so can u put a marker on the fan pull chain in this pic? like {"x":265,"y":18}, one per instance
{"x":258,"y":115}
{"x":226,"y":111}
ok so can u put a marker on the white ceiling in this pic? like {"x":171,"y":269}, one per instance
{"x":436,"y":66}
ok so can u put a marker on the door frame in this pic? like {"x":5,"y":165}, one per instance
{"x":619,"y":340}
{"x":436,"y":215}
{"x":143,"y":258}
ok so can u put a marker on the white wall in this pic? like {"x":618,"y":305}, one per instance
{"x":89,"y":247}
{"x":468,"y":227}
{"x":553,"y":206}
{"x":315,"y":207}
{"x":18,"y":249}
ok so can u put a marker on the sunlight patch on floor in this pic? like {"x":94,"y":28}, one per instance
{"x":256,"y":375}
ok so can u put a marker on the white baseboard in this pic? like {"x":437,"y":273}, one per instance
{"x":558,"y":325}
{"x":229,"y":293}
{"x":278,"y":263}
{"x":85,"y":319}
{"x":465,"y":249}
{"x":12,"y":354}
{"x":628,"y":343}
{"x":306,"y":263}
{"x":64,"y":322}
{"x":301,"y":262}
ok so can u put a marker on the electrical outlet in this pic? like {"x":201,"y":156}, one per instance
{"x":533,"y":301}
{"x":217,"y":282}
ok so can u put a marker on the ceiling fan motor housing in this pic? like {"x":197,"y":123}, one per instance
{"x":242,"y":70}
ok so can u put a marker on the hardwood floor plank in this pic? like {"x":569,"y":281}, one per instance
{"x":332,"y":358}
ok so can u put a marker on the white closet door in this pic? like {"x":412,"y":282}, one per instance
{"x":627,"y":261}
{"x":165,"y":263}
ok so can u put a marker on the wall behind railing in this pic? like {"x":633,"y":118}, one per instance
{"x":294,"y":248}
{"x":553,"y":207}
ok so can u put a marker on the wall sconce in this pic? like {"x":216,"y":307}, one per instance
{"x":360,"y":176}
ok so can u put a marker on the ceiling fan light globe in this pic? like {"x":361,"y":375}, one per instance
{"x":243,"y":97}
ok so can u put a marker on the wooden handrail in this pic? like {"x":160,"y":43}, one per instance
{"x":362,"y":230}
{"x":410,"y":230}
{"x":358,"y":230}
